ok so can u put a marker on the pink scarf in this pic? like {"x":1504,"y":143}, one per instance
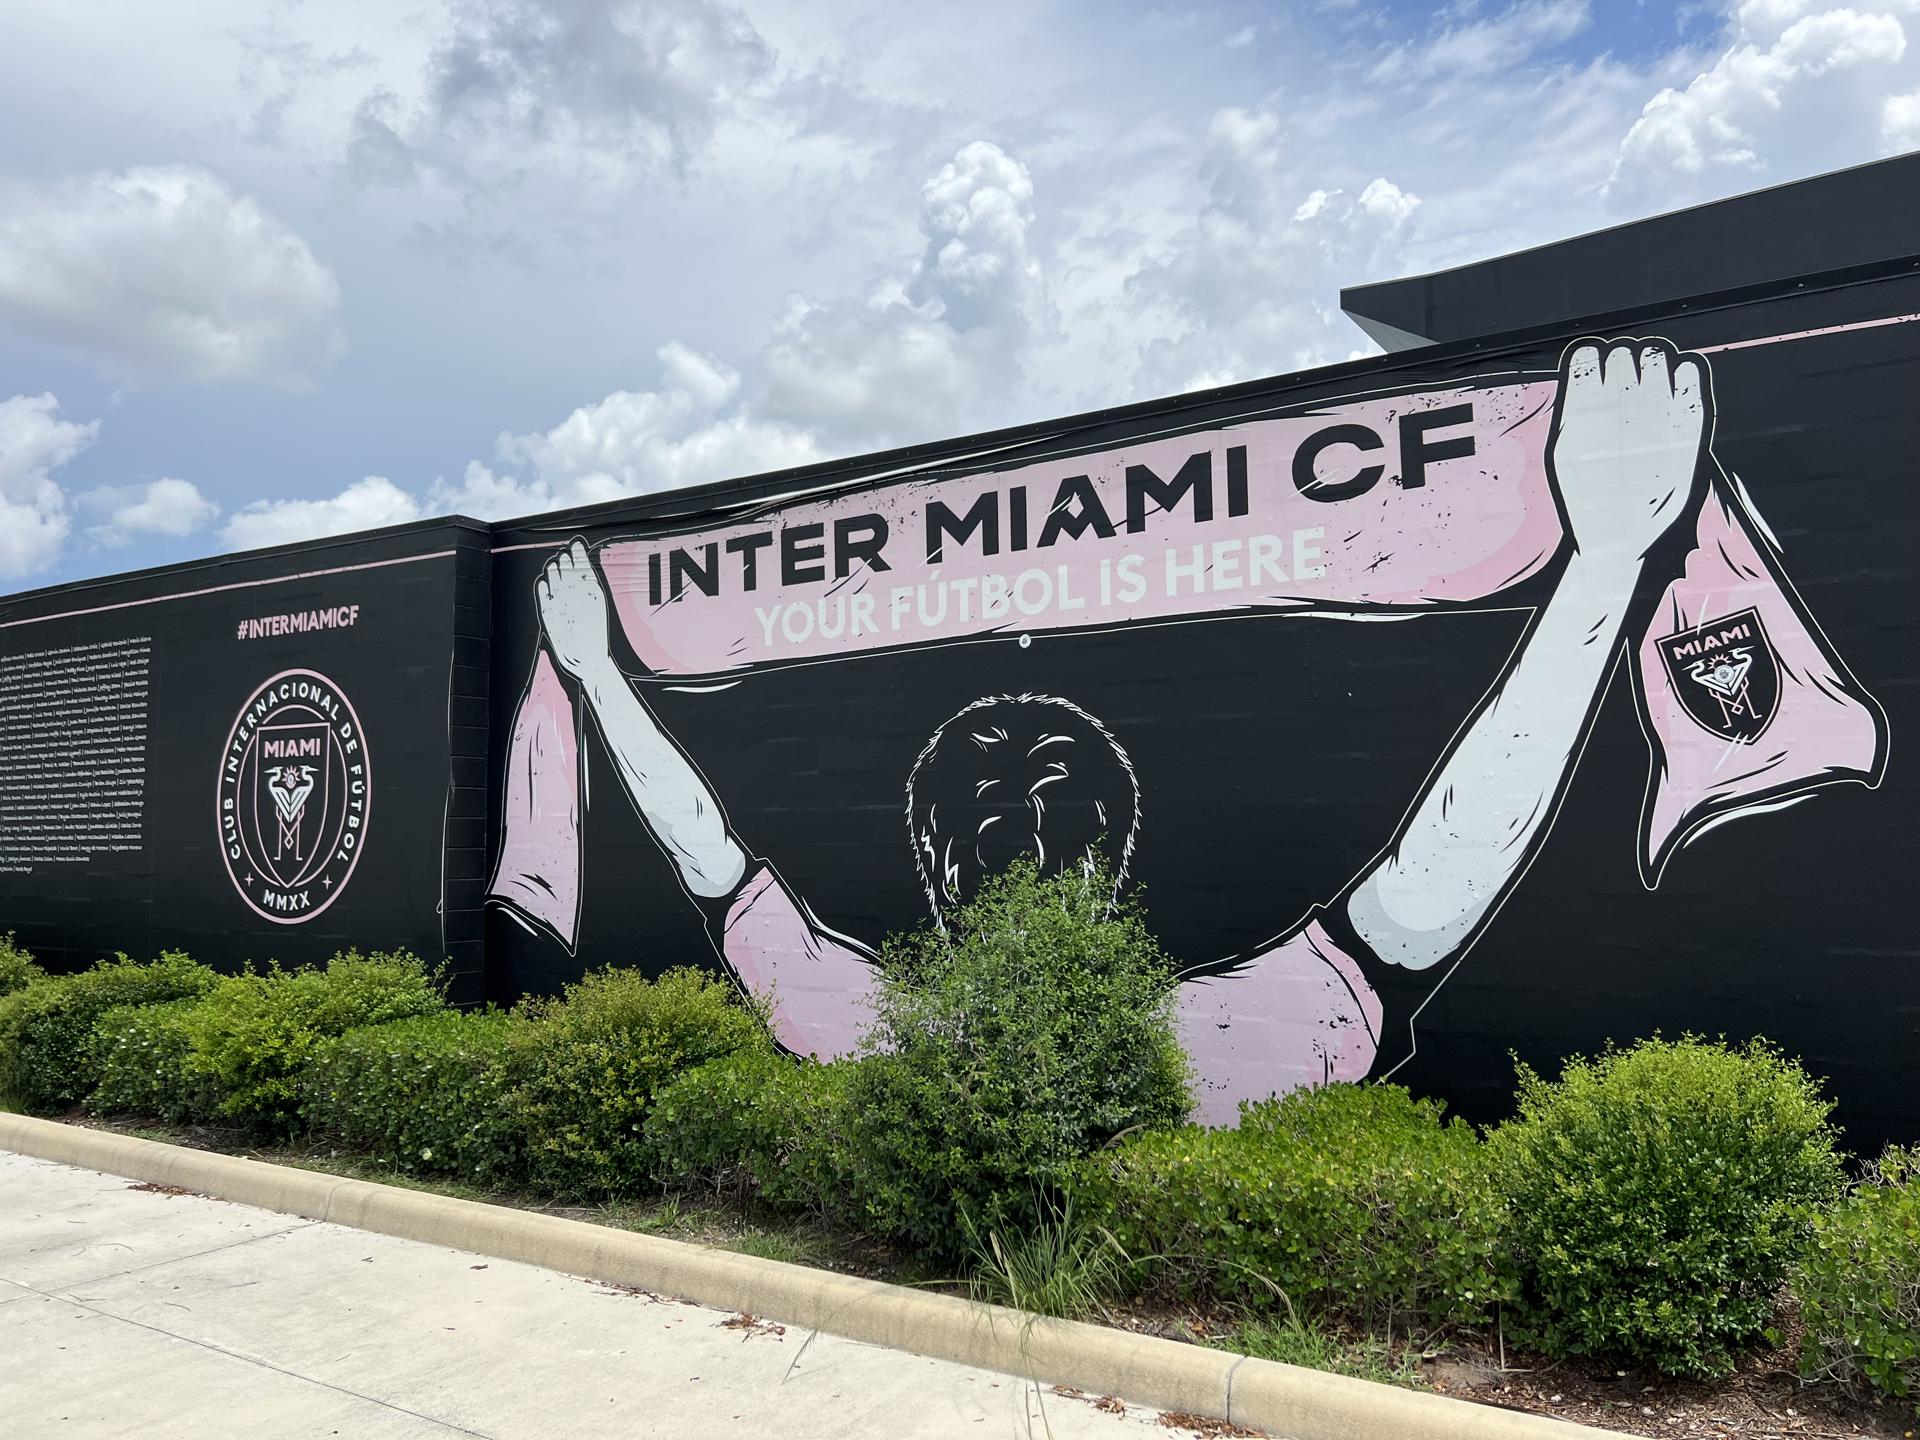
{"x":1743,"y":701}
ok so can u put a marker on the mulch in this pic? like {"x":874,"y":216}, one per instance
{"x":1764,"y":1399}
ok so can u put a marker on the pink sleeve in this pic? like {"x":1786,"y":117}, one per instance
{"x":820,"y":984}
{"x":539,"y":868}
{"x":1296,"y":1015}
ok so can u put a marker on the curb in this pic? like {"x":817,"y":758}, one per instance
{"x":1283,"y":1400}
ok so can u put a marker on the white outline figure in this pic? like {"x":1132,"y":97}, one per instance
{"x":1629,"y":463}
{"x":290,"y":787}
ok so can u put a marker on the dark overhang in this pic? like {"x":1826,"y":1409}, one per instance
{"x":1861,"y":216}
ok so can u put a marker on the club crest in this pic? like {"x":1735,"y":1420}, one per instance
{"x":1725,"y":675}
{"x":293,"y":796}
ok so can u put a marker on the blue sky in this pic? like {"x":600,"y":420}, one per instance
{"x":268,"y":272}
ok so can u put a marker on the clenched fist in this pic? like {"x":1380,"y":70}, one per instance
{"x":573,"y":611}
{"x":1629,"y":441}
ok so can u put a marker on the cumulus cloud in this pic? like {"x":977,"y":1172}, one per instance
{"x":618,"y":150}
{"x":933,"y":348}
{"x":689,"y":429}
{"x":34,"y":514}
{"x":1251,"y":287}
{"x":686,"y":431}
{"x":936,"y":348}
{"x":364,"y":505}
{"x":1799,"y":82}
{"x":168,"y":506}
{"x":1900,"y":122}
{"x":166,"y":268}
{"x":601,"y":87}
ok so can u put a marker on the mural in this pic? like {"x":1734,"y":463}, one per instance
{"x":1438,"y":707}
{"x":1587,"y":497}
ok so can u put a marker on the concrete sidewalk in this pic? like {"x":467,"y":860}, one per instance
{"x":132,"y":1312}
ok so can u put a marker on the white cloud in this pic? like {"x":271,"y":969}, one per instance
{"x":934,"y":349}
{"x":1484,"y":47}
{"x":1797,"y":83}
{"x":600,"y":90}
{"x":168,"y":269}
{"x":926,"y":352}
{"x":168,"y":506}
{"x":34,"y":514}
{"x":1900,"y":123}
{"x":1250,"y":288}
{"x":949,"y":341}
{"x":364,"y":505}
{"x":631,"y":443}
{"x":530,"y":196}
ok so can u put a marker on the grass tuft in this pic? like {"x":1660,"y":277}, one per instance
{"x":1295,"y":1341}
{"x":1062,"y":1267}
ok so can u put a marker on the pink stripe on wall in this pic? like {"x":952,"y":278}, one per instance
{"x":220,"y":589}
{"x":1809,"y":334}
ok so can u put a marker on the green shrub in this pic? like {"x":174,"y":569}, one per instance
{"x":254,"y":1033}
{"x":1656,"y":1197}
{"x":143,"y":1056}
{"x":1354,"y":1199}
{"x":16,"y":967}
{"x":425,"y":1094}
{"x":46,"y":1054}
{"x":755,"y":1124}
{"x":1038,"y":1025}
{"x":585,"y":1070}
{"x":1859,"y":1284}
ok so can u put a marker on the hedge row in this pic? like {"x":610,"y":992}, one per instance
{"x":47,"y":1053}
{"x":1359,"y":1199}
{"x":1034,"y":1027}
{"x":427,"y":1094}
{"x":1647,"y":1205}
{"x":553,"y":1095}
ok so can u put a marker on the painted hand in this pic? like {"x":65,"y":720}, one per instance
{"x":1630,"y":435}
{"x":573,"y":611}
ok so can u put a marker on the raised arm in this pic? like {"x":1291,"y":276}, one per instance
{"x":671,"y":795}
{"x":1627,"y":455}
{"x":816,"y":984}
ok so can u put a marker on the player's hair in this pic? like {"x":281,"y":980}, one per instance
{"x":1015,"y":775}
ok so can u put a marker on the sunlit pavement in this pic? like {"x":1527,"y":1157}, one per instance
{"x":132,"y":1312}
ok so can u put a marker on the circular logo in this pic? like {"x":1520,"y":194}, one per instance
{"x":294,"y":794}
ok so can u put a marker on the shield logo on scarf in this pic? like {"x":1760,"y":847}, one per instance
{"x":1726,"y":675}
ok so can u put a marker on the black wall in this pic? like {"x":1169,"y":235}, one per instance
{"x":1275,"y":755}
{"x":412,"y":665}
{"x":1865,"y":215}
